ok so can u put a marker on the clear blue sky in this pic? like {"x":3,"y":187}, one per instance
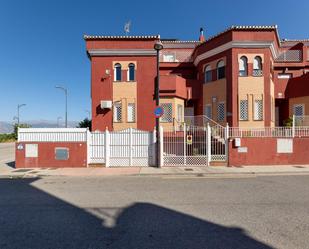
{"x":42,"y":43}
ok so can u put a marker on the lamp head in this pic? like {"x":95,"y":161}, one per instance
{"x":158,"y":46}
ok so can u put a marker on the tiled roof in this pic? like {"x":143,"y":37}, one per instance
{"x":243,"y":27}
{"x":116,"y":37}
{"x":177,"y":41}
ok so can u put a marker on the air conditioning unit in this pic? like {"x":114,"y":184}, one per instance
{"x":106,"y":104}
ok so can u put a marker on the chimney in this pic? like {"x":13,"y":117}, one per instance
{"x":202,"y":38}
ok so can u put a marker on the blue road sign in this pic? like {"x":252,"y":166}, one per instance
{"x":158,"y":112}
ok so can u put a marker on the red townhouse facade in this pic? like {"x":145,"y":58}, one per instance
{"x":244,"y":76}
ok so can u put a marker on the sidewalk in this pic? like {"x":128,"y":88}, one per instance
{"x":8,"y":172}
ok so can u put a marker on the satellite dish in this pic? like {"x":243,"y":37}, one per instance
{"x":127,"y":27}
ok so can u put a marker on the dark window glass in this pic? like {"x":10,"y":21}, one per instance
{"x":117,"y":72}
{"x":131,"y":72}
{"x":221,"y":72}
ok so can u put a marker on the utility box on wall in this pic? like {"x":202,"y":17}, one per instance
{"x":237,"y":142}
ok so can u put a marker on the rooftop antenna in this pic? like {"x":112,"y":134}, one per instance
{"x":127,"y":27}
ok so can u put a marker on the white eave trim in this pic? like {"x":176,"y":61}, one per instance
{"x":121,"y":52}
{"x":237,"y":44}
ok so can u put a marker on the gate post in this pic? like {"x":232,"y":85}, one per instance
{"x":161,"y":147}
{"x":293,"y":127}
{"x":226,"y":137}
{"x":130,"y":146}
{"x":89,"y":148}
{"x":184,"y":143}
{"x":208,"y":144}
{"x":107,"y":148}
{"x":153,"y":151}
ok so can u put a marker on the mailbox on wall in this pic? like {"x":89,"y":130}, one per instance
{"x":237,"y":142}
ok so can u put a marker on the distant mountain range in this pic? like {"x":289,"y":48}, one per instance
{"x":6,"y":127}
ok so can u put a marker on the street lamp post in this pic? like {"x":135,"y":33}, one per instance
{"x":158,"y":46}
{"x":18,"y":107}
{"x":66,"y":103}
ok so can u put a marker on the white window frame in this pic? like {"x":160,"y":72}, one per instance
{"x":180,"y":110}
{"x":131,"y":119}
{"x":207,"y":70}
{"x":115,"y":72}
{"x":243,"y":66}
{"x":255,"y":113}
{"x":221,"y":64}
{"x":207,"y":108}
{"x":299,"y":105}
{"x":128,"y":72}
{"x":115,"y":109}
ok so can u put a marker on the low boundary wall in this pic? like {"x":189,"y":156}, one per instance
{"x":269,"y":151}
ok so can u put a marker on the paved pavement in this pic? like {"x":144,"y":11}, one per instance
{"x":155,"y":212}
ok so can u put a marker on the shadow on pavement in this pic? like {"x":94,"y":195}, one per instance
{"x":31,"y":218}
{"x":11,"y":164}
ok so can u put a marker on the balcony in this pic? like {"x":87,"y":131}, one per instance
{"x":290,"y":56}
{"x":174,"y":86}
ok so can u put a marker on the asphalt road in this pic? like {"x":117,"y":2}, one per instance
{"x":155,"y":212}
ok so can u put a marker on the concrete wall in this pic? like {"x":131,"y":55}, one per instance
{"x":46,"y":155}
{"x":263,"y":151}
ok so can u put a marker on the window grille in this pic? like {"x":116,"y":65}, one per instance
{"x":243,"y":110}
{"x":117,"y":112}
{"x":298,"y":110}
{"x":257,"y":66}
{"x":208,"y":74}
{"x":131,"y":70}
{"x":117,"y":72}
{"x":258,"y":109}
{"x":220,"y":70}
{"x":179,"y":113}
{"x":167,"y":112}
{"x":131,"y":112}
{"x":207,"y":111}
{"x":220,"y":112}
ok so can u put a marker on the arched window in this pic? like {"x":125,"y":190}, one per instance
{"x":257,"y":66}
{"x":220,"y":70}
{"x":243,"y":66}
{"x":131,"y":72}
{"x":117,"y":72}
{"x":207,"y":73}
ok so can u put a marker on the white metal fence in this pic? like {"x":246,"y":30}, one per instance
{"x":294,"y":131}
{"x":52,"y":135}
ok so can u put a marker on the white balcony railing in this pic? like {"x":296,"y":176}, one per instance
{"x":290,"y":56}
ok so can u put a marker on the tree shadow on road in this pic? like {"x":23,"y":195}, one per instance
{"x":32,"y":218}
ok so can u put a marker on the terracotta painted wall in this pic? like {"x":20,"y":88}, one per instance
{"x":263,"y":151}
{"x":46,"y":155}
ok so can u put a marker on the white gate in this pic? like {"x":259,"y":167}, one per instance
{"x":185,"y":146}
{"x":189,"y":145}
{"x":97,"y":147}
{"x":128,"y":147}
